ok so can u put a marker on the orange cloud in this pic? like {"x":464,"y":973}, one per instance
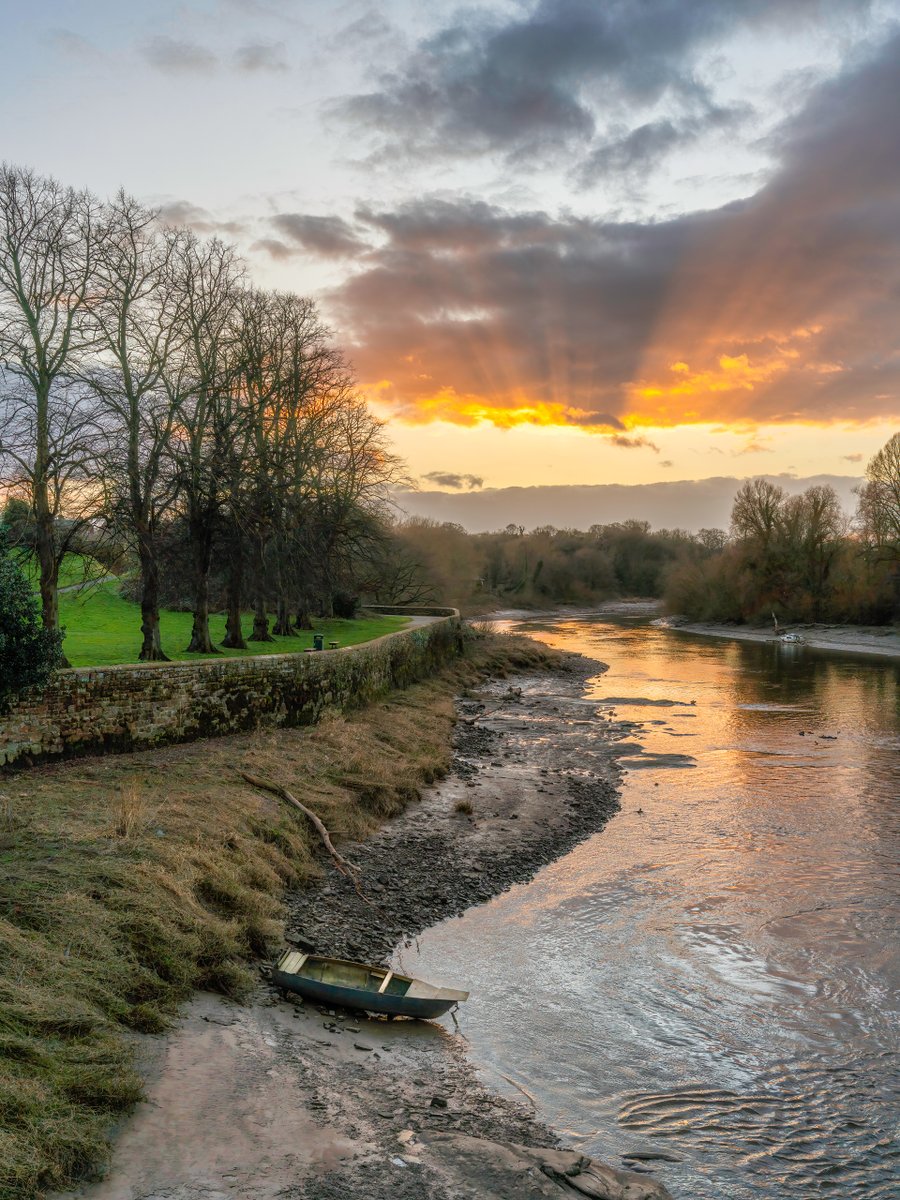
{"x":682,"y":394}
{"x":503,"y":413}
{"x":780,"y":307}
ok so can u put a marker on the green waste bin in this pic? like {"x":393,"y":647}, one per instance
{"x":318,"y":641}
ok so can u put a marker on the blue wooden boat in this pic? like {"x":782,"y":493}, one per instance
{"x":335,"y":981}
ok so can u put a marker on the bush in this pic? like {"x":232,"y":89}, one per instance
{"x":345,"y":605}
{"x":28,"y":652}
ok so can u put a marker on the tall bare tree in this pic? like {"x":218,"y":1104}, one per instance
{"x":878,"y":514}
{"x":207,"y":276}
{"x":48,"y":251}
{"x":879,"y":500}
{"x":138,"y":317}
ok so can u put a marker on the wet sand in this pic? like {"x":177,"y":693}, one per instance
{"x":278,"y":1098}
{"x":882,"y":640}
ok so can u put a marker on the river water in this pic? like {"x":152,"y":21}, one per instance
{"x":714,"y":976}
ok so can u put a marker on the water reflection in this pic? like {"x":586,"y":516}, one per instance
{"x":713,"y":976}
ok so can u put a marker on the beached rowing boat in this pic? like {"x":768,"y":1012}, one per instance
{"x":358,"y":986}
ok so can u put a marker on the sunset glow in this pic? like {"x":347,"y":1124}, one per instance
{"x":512,"y":232}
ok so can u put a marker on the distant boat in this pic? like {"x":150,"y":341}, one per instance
{"x":356,"y":985}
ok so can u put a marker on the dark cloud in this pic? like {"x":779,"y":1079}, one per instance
{"x":450,"y":479}
{"x":635,"y":152}
{"x":255,"y":57}
{"x":544,"y":78}
{"x":182,"y":212}
{"x":774,"y":308}
{"x":632,"y":443}
{"x":274,"y":248}
{"x":330,"y":237}
{"x":179,"y":57}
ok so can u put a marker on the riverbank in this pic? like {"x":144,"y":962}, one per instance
{"x":881,"y":640}
{"x":131,"y":881}
{"x":280,"y":1099}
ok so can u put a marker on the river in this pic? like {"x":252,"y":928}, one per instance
{"x":713,"y":977}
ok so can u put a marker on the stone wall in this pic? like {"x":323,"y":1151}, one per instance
{"x":97,"y":710}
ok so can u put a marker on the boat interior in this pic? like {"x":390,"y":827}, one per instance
{"x":381,"y":980}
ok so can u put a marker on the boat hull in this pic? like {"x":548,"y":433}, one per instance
{"x":361,"y":1000}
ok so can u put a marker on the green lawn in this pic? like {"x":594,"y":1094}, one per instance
{"x":102,"y":629}
{"x":74,"y":569}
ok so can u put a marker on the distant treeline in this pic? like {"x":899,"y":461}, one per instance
{"x":799,"y":557}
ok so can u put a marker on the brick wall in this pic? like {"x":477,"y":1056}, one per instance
{"x":97,"y":710}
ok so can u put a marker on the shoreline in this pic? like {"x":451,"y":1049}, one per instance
{"x":279,"y":1098}
{"x":882,"y":641}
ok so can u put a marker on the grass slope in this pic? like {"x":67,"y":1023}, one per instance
{"x":102,"y":628}
{"x":131,"y":880}
{"x":73,"y":570}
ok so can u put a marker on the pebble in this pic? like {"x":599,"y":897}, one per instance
{"x":362,"y":1046}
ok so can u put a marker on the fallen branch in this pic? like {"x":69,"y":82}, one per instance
{"x":478,"y":717}
{"x":528,"y":1096}
{"x":342,"y":864}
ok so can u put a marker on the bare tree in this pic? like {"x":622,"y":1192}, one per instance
{"x":48,"y":251}
{"x":878,"y":513}
{"x":261,"y":355}
{"x":813,"y":526}
{"x":879,"y":500}
{"x":757,"y":510}
{"x":207,"y":277}
{"x":137,"y":314}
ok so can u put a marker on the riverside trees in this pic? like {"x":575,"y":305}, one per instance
{"x":48,"y":260}
{"x":799,"y":558}
{"x":209,"y":426}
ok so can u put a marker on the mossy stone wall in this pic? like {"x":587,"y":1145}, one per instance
{"x":97,"y":710}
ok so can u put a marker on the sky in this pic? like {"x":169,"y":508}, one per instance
{"x":563,"y":242}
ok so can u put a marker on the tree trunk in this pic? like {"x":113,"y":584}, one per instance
{"x":201,"y":541}
{"x":283,"y":626}
{"x":151,"y":647}
{"x":234,"y":634}
{"x":260,"y":621}
{"x":304,"y":617}
{"x":44,"y":532}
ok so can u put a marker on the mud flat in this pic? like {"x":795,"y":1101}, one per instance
{"x":882,"y":640}
{"x":282,"y":1099}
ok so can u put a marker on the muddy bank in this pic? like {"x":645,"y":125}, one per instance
{"x":289,"y":1100}
{"x":534,"y":771}
{"x":882,"y":640}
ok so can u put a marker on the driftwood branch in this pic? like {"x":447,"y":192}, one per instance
{"x":343,"y":865}
{"x":482,"y":716}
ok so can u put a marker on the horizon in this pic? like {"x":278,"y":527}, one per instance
{"x":701,"y":503}
{"x":561,"y":243}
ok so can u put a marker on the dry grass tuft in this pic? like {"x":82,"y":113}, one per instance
{"x":464,"y":806}
{"x":130,"y":810}
{"x":107,"y":926}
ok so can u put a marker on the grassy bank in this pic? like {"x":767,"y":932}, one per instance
{"x":131,"y":881}
{"x":102,"y":628}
